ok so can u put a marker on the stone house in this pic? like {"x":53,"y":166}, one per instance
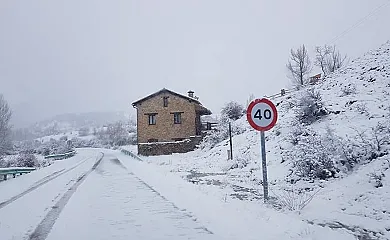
{"x":168,"y":122}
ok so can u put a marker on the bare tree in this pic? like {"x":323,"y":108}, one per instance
{"x":329,"y":59}
{"x":5,"y":128}
{"x":299,"y":65}
{"x":321,"y":58}
{"x":250,"y":99}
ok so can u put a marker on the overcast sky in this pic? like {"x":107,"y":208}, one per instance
{"x":94,"y":55}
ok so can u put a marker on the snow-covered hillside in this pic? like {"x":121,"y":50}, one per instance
{"x":69,"y":124}
{"x":352,"y":136}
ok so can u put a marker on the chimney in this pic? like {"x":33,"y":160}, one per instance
{"x":191,"y":94}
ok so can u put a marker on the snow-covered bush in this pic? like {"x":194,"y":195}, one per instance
{"x":293,"y":199}
{"x":213,"y":138}
{"x":348,"y":90}
{"x":240,"y":162}
{"x":116,"y":134}
{"x":8,"y":161}
{"x":309,"y":106}
{"x":367,"y":145}
{"x":78,"y":142}
{"x":27,"y":160}
{"x":361,"y":108}
{"x":28,"y":146}
{"x":381,"y":136}
{"x":296,"y":132}
{"x":232,"y":110}
{"x":313,"y":156}
{"x":2,"y":162}
{"x":20,"y":160}
{"x":376,"y":179}
{"x":45,"y":162}
{"x":54,"y":147}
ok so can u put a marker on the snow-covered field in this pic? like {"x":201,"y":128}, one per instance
{"x":356,"y":202}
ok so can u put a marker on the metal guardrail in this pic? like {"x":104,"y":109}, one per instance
{"x":4,"y":172}
{"x":15,"y":171}
{"x":277,"y":95}
{"x":127,"y":152}
{"x":61,"y":156}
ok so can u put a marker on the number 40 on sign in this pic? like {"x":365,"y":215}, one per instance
{"x":262,"y":116}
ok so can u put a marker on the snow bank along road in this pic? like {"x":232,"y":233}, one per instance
{"x":90,"y":196}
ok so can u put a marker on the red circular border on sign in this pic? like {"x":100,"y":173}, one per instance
{"x":249,"y":117}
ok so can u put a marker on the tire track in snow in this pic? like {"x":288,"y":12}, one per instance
{"x":43,"y":229}
{"x":48,"y":176}
{"x":41,"y":183}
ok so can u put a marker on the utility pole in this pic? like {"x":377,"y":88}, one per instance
{"x":231,"y":143}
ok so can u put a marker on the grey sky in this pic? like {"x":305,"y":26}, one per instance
{"x":95,"y":55}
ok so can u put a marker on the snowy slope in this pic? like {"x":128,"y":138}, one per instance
{"x":357,"y":98}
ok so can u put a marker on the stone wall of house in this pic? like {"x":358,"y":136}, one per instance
{"x":165,"y":130}
{"x":161,"y":148}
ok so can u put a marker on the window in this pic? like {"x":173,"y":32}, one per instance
{"x":177,"y":118}
{"x":165,"y":101}
{"x":152,"y":119}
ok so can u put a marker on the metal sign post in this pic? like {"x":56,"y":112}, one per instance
{"x":262,"y":116}
{"x":264,"y":165}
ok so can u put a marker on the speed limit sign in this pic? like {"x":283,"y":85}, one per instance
{"x":262,"y":114}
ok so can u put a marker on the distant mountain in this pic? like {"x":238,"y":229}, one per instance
{"x":69,"y":122}
{"x":78,"y":120}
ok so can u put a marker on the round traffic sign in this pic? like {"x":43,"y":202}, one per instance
{"x":262,"y":114}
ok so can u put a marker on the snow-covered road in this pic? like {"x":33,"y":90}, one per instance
{"x":24,"y":201}
{"x":113,"y":203}
{"x":85,"y":198}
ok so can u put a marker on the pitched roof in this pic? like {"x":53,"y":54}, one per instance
{"x":164,"y":90}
